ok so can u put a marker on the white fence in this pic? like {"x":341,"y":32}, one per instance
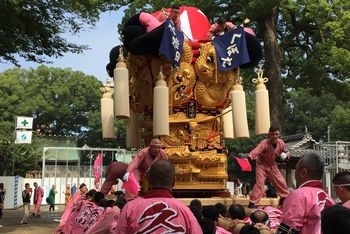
{"x":56,"y":171}
{"x":14,"y":186}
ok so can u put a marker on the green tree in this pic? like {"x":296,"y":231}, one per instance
{"x":34,"y":30}
{"x":62,"y":102}
{"x":340,"y":123}
{"x":304,"y":109}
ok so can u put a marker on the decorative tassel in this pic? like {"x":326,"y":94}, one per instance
{"x":132,"y":130}
{"x":239,"y":110}
{"x":227,"y":120}
{"x":107,"y":116}
{"x":121,"y":88}
{"x":262,"y":109}
{"x":161,"y":107}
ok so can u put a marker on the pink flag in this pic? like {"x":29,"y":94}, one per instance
{"x":131,"y":185}
{"x":97,"y":169}
{"x":244,"y":164}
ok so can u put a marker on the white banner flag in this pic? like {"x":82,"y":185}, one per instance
{"x":23,"y":137}
{"x":23,"y":122}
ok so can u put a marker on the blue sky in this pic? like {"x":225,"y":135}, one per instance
{"x":100,"y":39}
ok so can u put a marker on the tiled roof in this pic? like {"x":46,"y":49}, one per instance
{"x":300,"y":144}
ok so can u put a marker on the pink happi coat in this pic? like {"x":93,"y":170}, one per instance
{"x":266,"y":167}
{"x":275,"y":216}
{"x":38,"y":197}
{"x":142,"y":162}
{"x":157,"y":212}
{"x":74,"y":204}
{"x":74,"y":213}
{"x":107,"y":222}
{"x":89,"y":214}
{"x":97,"y":169}
{"x":302,"y":208}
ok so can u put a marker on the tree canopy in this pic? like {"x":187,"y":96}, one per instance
{"x":34,"y":30}
{"x":64,"y":103}
{"x":306,"y":43}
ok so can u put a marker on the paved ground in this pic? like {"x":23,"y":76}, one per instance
{"x":46,"y":224}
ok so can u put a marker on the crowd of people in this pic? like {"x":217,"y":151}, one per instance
{"x":306,"y":210}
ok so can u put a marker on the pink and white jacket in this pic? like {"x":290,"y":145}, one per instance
{"x":302,"y":208}
{"x":157,"y":212}
{"x":143,"y":161}
{"x":275,"y":216}
{"x":107,"y":222}
{"x":89,"y":214}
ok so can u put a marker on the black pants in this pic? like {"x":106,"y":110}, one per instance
{"x":52,"y":206}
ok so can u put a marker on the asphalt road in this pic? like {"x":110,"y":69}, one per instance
{"x":46,"y":224}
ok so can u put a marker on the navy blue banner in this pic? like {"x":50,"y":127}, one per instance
{"x":231,"y":49}
{"x":172,"y":43}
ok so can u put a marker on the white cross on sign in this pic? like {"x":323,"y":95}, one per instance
{"x":24,"y":122}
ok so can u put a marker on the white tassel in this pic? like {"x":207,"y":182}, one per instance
{"x":239,"y":110}
{"x":107,"y":116}
{"x":121,"y":88}
{"x":227,"y":120}
{"x":161,"y":107}
{"x":262,"y":109}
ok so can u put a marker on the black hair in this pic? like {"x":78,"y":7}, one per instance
{"x":221,"y":208}
{"x":197,"y":212}
{"x":91,"y":193}
{"x":335,"y":219}
{"x":208,"y":226}
{"x":211,"y":212}
{"x":314,"y":164}
{"x":120,"y":202}
{"x":175,"y":6}
{"x":221,"y":21}
{"x":109,"y":203}
{"x":82,"y":185}
{"x":236,"y":211}
{"x":342,"y":177}
{"x":273,"y":128}
{"x":259,"y":216}
{"x":197,"y":203}
{"x":249,"y":229}
{"x":98,"y":197}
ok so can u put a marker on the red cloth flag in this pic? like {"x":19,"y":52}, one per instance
{"x":244,"y":164}
{"x":131,"y":185}
{"x":97,"y":168}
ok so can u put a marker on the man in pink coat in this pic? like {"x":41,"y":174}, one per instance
{"x":107,"y":222}
{"x":89,"y":214}
{"x":265,"y":154}
{"x":302,"y":208}
{"x":75,"y":201}
{"x":173,"y":15}
{"x":143,"y":160}
{"x":221,"y":26}
{"x":38,"y":197}
{"x":157,"y":211}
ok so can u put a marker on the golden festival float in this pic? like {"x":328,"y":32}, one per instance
{"x":191,"y":107}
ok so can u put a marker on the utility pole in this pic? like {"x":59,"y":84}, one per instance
{"x":329,"y":133}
